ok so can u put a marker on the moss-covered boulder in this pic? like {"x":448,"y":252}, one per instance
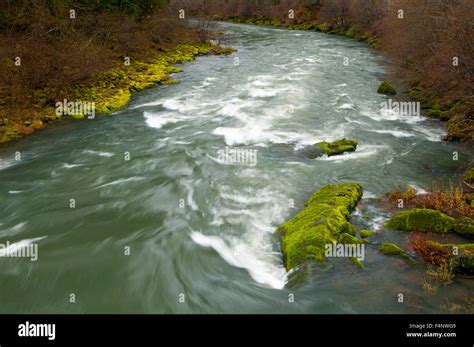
{"x":427,"y":220}
{"x":386,"y":88}
{"x":464,"y":226}
{"x":321,"y":222}
{"x":421,"y":219}
{"x":331,"y":148}
{"x":462,"y":255}
{"x":366,"y":233}
{"x":392,"y":249}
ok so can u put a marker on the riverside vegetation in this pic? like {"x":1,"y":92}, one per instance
{"x":84,"y":51}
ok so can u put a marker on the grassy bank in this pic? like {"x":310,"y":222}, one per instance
{"x":110,"y":90}
{"x":86,"y":52}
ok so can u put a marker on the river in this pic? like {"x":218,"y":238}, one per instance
{"x":161,"y":224}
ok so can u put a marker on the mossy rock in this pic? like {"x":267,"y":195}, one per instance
{"x":462,"y":254}
{"x":421,"y":219}
{"x":325,"y":217}
{"x":366,"y":233}
{"x":346,"y":238}
{"x":358,"y":262}
{"x":392,"y":249}
{"x":331,"y":148}
{"x":348,"y":228}
{"x":464,"y":226}
{"x":386,"y":88}
{"x":427,"y":220}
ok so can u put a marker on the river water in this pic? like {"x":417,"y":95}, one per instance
{"x":177,"y":229}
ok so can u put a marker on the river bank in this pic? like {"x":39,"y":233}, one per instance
{"x":431,"y":66}
{"x":77,"y":59}
{"x":459,"y":127}
{"x":111,"y":90}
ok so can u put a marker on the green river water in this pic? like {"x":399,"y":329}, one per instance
{"x":202,"y":229}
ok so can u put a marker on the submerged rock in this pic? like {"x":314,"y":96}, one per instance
{"x":392,"y":249}
{"x":366,"y":233}
{"x":330,"y":148}
{"x":321,"y":222}
{"x":427,"y":220}
{"x":386,"y":88}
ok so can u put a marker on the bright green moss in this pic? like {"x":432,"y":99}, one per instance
{"x":392,"y":249}
{"x":349,"y":239}
{"x":421,"y":219}
{"x":464,"y":226}
{"x":386,"y":88}
{"x":337,"y":147}
{"x":325,"y":216}
{"x":358,"y":262}
{"x":366,"y":233}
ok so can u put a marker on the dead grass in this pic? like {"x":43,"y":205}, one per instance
{"x":452,"y":201}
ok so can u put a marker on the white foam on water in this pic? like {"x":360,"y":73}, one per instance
{"x":390,"y":115}
{"x":240,"y":255}
{"x":98,"y":153}
{"x":14,"y":229}
{"x":368,"y":195}
{"x":188,"y":184}
{"x":361,"y":152}
{"x":122,"y":180}
{"x":433,"y":134}
{"x":158,"y":119}
{"x":347,"y":106}
{"x":182,"y":106}
{"x":6,"y":163}
{"x":147,"y":104}
{"x":70,"y":166}
{"x":252,"y":215}
{"x":418,"y":189}
{"x":396,"y":133}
